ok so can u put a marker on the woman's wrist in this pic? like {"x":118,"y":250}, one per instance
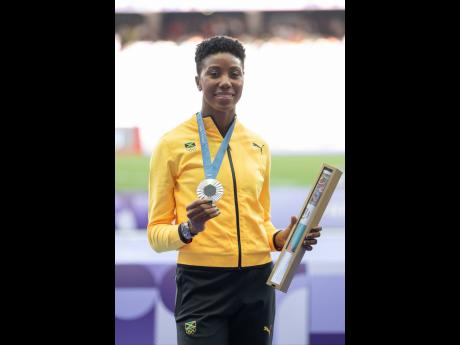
{"x":195,"y":228}
{"x":191,"y":227}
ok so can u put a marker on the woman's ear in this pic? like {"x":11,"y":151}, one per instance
{"x":197,"y":81}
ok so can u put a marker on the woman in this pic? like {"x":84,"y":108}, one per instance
{"x":224,"y":245}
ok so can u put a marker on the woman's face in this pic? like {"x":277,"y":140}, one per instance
{"x":221,"y":80}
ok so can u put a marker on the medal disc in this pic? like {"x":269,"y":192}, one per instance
{"x":210,"y":189}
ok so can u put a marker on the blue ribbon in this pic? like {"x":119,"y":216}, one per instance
{"x":211,"y":169}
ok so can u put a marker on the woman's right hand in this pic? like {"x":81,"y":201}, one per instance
{"x":199,"y":212}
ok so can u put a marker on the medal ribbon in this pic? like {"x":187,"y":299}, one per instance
{"x":211,"y":169}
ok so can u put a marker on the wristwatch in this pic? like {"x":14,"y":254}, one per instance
{"x":184,"y":232}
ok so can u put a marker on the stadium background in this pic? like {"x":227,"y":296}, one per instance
{"x":293,"y":97}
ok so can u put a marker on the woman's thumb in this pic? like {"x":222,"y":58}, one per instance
{"x":293,"y":221}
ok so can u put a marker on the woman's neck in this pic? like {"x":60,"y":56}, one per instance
{"x":221,"y":119}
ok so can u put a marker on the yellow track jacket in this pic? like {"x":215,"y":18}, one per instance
{"x":242,"y":235}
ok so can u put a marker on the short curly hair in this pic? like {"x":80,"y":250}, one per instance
{"x":218,"y":44}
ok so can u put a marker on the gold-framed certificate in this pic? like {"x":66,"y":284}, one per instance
{"x":309,"y":217}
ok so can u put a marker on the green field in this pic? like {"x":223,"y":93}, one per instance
{"x":131,"y":172}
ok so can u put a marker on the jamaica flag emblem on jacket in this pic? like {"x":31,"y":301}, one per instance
{"x":190,"y":146}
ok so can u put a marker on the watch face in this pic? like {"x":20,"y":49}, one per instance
{"x":185,"y":231}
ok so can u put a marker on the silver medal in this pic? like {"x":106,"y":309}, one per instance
{"x":210,"y":189}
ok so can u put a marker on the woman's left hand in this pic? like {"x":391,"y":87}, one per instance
{"x":308,"y":242}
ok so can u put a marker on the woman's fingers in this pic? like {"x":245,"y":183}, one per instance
{"x":204,"y":215}
{"x":313,"y":235}
{"x":310,"y":242}
{"x":200,"y":210}
{"x":317,"y":229}
{"x":199,"y":203}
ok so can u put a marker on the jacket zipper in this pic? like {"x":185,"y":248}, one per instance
{"x":235,"y":194}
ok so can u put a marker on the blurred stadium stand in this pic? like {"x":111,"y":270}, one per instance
{"x":262,"y":25}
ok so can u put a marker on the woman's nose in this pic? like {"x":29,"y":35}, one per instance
{"x":224,"y":82}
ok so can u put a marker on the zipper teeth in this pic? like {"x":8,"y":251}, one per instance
{"x":235,"y":194}
{"x":236,"y":206}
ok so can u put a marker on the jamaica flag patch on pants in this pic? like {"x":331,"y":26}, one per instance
{"x":190,"y":327}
